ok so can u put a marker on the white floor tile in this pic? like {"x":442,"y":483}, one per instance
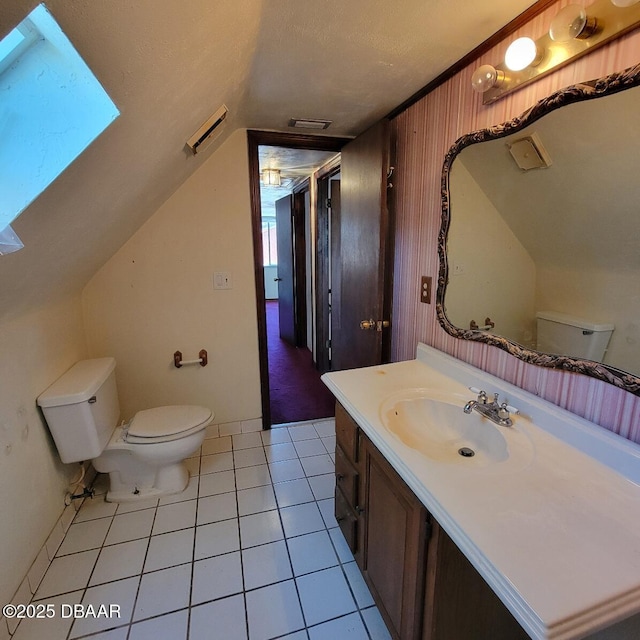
{"x":216,"y":577}
{"x":301,"y":518}
{"x":130,"y":526}
{"x":119,"y":561}
{"x":293,"y":492}
{"x":55,"y":628}
{"x":248,"y":477}
{"x":96,"y":507}
{"x":275,"y":436}
{"x":350,"y":626}
{"x":299,"y":635}
{"x":246,"y":440}
{"x":358,"y":585}
{"x":84,"y":536}
{"x":216,"y":445}
{"x":282,"y":451}
{"x":219,"y":620}
{"x":256,"y":499}
{"x":136,"y":505}
{"x":323,"y":486}
{"x":114,"y":634}
{"x":307,"y":448}
{"x":340,"y":545}
{"x":250,"y":426}
{"x":37,"y":571}
{"x":286,"y":470}
{"x":375,"y":624}
{"x":217,"y":507}
{"x":170,"y":549}
{"x":265,"y":564}
{"x":172,"y":517}
{"x":67,"y":573}
{"x":230,"y":428}
{"x":217,"y":538}
{"x":311,"y":552}
{"x":326,"y":428}
{"x":214,"y":483}
{"x":121,"y":593}
{"x":260,"y":528}
{"x":190,"y":493}
{"x":249,"y":457}
{"x":303,"y":432}
{"x":163,"y":591}
{"x":216,"y":462}
{"x":273,"y":611}
{"x":324,"y":595}
{"x":317,"y":465}
{"x":329,"y":444}
{"x":173,"y":625}
{"x":327,"y":511}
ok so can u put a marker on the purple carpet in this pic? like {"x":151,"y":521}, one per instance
{"x":297,"y":393}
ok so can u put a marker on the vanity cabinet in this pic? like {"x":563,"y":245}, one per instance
{"x":424,"y":587}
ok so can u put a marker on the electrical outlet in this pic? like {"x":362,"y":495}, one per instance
{"x":425,"y":289}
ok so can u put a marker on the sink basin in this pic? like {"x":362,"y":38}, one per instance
{"x":434,"y":424}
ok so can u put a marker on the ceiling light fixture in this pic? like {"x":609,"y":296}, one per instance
{"x":573,"y":32}
{"x":271,"y":177}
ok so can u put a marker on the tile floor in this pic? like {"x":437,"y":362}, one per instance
{"x":250,"y":550}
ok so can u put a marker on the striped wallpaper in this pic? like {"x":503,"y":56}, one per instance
{"x":424,"y":133}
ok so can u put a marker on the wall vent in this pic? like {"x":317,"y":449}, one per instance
{"x":529,"y":153}
{"x":204,"y":134}
{"x":309,"y":123}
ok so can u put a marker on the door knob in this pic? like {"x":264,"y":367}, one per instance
{"x":277,"y":279}
{"x":379,"y":325}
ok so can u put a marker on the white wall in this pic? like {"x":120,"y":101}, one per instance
{"x":479,"y":286}
{"x":36,"y":349}
{"x":156,"y":296}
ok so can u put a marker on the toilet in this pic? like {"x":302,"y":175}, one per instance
{"x":562,"y":334}
{"x":145,"y":457}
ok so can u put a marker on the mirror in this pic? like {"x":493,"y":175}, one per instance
{"x":553,"y":247}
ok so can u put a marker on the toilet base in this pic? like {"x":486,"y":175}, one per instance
{"x":168,"y":480}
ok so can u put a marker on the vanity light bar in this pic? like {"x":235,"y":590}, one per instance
{"x":604,"y":21}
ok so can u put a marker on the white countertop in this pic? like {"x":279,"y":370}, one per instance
{"x":558,"y":540}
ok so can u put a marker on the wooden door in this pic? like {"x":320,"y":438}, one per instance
{"x":365,"y":259}
{"x":286,"y":295}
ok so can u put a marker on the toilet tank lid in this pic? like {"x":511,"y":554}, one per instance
{"x":563,"y":318}
{"x":78,"y":384}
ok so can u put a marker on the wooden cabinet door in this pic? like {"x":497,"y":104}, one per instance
{"x":395,"y":528}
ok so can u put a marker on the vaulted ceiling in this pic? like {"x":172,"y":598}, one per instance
{"x":169,"y":65}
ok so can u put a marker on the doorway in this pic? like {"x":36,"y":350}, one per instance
{"x":287,"y":269}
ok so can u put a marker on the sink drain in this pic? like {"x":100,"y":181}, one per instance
{"x":465,"y":452}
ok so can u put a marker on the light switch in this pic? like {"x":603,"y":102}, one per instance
{"x":222,"y":280}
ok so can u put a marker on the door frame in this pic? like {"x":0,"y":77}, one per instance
{"x":256,"y":138}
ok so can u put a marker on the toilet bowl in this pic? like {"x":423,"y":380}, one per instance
{"x":144,"y":458}
{"x":152,"y":465}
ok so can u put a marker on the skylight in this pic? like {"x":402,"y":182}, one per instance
{"x":51,"y":108}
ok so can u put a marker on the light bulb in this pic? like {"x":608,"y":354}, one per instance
{"x":520,"y":54}
{"x":486,"y":77}
{"x":571,"y":22}
{"x":624,"y":3}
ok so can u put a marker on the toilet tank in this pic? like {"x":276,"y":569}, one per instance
{"x":81,"y":409}
{"x":567,"y":335}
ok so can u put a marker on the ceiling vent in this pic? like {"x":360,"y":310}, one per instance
{"x":204,"y":134}
{"x":529,"y":153}
{"x":308,"y":123}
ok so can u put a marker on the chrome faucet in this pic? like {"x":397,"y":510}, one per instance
{"x":497,"y":412}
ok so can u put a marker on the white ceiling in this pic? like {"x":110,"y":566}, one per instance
{"x":169,"y":65}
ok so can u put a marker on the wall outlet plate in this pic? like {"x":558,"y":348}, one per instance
{"x":222,"y":280}
{"x":425,"y":289}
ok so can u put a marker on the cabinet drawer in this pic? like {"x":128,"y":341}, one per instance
{"x":346,"y":433}
{"x":346,"y":477}
{"x":347,"y":520}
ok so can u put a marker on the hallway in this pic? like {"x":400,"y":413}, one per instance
{"x":297,"y":393}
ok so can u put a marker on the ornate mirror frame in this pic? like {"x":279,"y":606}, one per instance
{"x":608,"y":85}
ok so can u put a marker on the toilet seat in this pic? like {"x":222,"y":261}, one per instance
{"x":163,"y":424}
